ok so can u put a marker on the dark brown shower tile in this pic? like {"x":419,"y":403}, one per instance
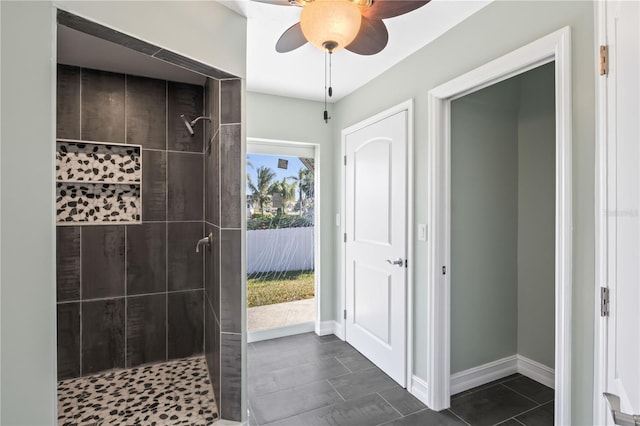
{"x":146,"y":329}
{"x":102,"y":106}
{"x":230,"y":280}
{"x":212,"y":107}
{"x":185,"y":181}
{"x":230,"y":101}
{"x":187,"y":99}
{"x":68,"y":320}
{"x":212,"y":271}
{"x":230,"y":177}
{"x":212,"y":348}
{"x":230,"y":376}
{"x":146,"y":105}
{"x":68,"y":102}
{"x":102,"y":262}
{"x":102,"y":335}
{"x":212,"y":182}
{"x":146,"y":258}
{"x":186,"y":332}
{"x":68,"y":263}
{"x":185,"y":266}
{"x":154,"y":185}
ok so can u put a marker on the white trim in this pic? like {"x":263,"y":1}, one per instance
{"x":276,"y":332}
{"x":600,"y":207}
{"x":419,"y":388}
{"x":404,"y":106}
{"x":477,"y":376}
{"x":496,"y":370}
{"x":325,"y":328}
{"x":536,"y":371}
{"x":553,"y":47}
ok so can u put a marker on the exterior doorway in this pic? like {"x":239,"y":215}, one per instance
{"x":281,"y":239}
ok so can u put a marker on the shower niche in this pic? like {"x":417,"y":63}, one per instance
{"x":98,"y":183}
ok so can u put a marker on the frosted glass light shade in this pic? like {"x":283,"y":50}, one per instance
{"x":330,"y":21}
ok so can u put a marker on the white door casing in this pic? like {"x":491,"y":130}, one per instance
{"x":617,"y":214}
{"x":376,"y":185}
{"x":553,"y":47}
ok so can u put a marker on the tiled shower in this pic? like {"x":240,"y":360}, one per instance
{"x":132,"y":295}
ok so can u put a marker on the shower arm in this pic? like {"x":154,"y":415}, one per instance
{"x":202,"y":117}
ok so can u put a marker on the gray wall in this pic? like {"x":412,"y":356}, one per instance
{"x":495,"y":30}
{"x":536,"y":216}
{"x":484,"y":226}
{"x":503,"y":222}
{"x":27,"y":298}
{"x":288,"y":119}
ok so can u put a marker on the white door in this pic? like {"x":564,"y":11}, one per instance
{"x":376,"y":217}
{"x":623,"y":151}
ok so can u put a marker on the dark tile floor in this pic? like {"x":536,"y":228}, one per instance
{"x":310,"y":380}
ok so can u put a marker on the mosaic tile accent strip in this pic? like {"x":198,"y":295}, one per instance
{"x":94,"y":202}
{"x":171,"y":393}
{"x":78,"y":161}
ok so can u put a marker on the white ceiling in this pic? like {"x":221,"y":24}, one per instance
{"x":298,"y":74}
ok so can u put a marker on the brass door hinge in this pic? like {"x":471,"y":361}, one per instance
{"x":604,"y":59}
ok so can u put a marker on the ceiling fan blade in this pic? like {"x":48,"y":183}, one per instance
{"x":383,"y":9}
{"x":291,"y":39}
{"x":274,"y":2}
{"x":371,"y":39}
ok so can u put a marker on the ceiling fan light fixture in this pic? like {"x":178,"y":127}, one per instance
{"x":330,"y":24}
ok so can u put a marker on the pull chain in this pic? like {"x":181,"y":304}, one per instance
{"x":327,"y":90}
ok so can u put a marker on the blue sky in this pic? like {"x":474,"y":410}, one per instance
{"x":271,"y":161}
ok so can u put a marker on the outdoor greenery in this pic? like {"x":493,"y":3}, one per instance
{"x":279,"y":287}
{"x":277,"y":221}
{"x":262,"y":193}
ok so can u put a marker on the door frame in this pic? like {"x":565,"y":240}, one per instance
{"x":271,"y":147}
{"x":342,"y":324}
{"x":553,"y":47}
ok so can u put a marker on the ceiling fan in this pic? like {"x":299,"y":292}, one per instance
{"x":330,"y":25}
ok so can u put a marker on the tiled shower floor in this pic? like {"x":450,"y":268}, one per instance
{"x":171,"y":393}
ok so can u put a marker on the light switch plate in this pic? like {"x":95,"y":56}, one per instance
{"x":422,"y":232}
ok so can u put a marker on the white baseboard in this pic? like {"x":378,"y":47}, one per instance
{"x":325,"y":328}
{"x":504,"y":367}
{"x":419,"y":389}
{"x":536,"y":371}
{"x":274,"y":333}
{"x":482,"y":374}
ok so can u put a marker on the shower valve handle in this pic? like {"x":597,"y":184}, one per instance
{"x":206,"y":241}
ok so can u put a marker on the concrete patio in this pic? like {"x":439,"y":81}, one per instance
{"x":281,"y":314}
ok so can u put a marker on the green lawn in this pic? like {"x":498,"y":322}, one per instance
{"x":279,"y":287}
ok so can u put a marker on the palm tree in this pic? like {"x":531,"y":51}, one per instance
{"x":260,"y":190}
{"x":304,"y":180}
{"x":286,"y":189}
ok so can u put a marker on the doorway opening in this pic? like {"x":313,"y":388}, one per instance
{"x":500,"y":212}
{"x":281,"y":239}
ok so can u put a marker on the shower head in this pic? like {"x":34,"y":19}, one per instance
{"x":188,"y":124}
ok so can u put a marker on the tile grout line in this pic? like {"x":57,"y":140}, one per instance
{"x":348,"y":369}
{"x":81,"y":303}
{"x":522,"y":395}
{"x":336,"y":390}
{"x":166,"y":222}
{"x":461,"y":419}
{"x":390,"y":404}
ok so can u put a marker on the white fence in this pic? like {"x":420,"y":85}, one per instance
{"x":285,"y":249}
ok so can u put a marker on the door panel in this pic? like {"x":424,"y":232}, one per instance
{"x":623,"y":139}
{"x":376,"y":217}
